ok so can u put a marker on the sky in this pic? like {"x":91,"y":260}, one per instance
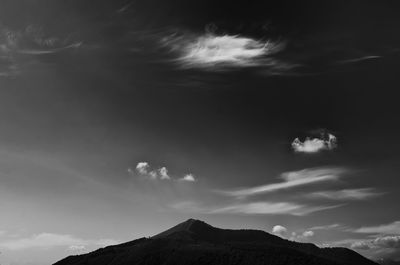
{"x":120,"y":119}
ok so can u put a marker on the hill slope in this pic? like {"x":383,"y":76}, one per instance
{"x":195,"y":242}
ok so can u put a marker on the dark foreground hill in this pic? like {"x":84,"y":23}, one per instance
{"x":197,"y":243}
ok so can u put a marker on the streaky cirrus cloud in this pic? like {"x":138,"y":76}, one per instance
{"x":276,"y":208}
{"x":346,"y":194}
{"x":49,"y":240}
{"x":252,"y":208}
{"x":290,"y":180}
{"x":315,"y":145}
{"x":326,"y":227}
{"x":211,"y":51}
{"x":391,"y":228}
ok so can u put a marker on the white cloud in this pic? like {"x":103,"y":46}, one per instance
{"x":77,"y":248}
{"x":380,"y":242}
{"x":164,"y":173}
{"x":363,"y":245}
{"x":49,"y":240}
{"x":279,"y":230}
{"x":291,"y":180}
{"x":314,"y":145}
{"x":308,"y":233}
{"x":346,"y":194}
{"x":211,"y":50}
{"x":142,"y":167}
{"x":285,"y":208}
{"x":189,"y":178}
{"x":326,"y":227}
{"x":392,"y":228}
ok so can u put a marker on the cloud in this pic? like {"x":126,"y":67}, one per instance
{"x":315,"y":145}
{"x":77,"y":248}
{"x":381,"y":242}
{"x":212,"y":51}
{"x":142,"y":167}
{"x":163,"y":173}
{"x":363,"y":245}
{"x":326,"y":227}
{"x":290,"y":180}
{"x":346,"y":194}
{"x":392,"y":228}
{"x":308,"y":233}
{"x":360,"y":59}
{"x":265,"y":208}
{"x":49,"y":240}
{"x":189,"y":178}
{"x":279,"y":230}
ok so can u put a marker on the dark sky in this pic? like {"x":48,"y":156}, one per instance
{"x":119,"y":119}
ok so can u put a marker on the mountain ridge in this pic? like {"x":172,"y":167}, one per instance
{"x":196,"y":242}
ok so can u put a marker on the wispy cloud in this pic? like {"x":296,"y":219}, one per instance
{"x":291,"y":180}
{"x":49,"y":240}
{"x":211,"y":51}
{"x":315,"y":145}
{"x":360,"y":59}
{"x":392,"y":228}
{"x":326,"y":227}
{"x":282,"y":208}
{"x":346,"y":194}
{"x":253,"y":208}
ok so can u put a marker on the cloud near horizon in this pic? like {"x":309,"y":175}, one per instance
{"x":49,"y":240}
{"x":279,"y":230}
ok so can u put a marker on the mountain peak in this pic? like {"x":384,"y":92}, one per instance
{"x":192,"y":226}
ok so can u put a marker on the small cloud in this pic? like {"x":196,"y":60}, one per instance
{"x":392,"y":228}
{"x":189,"y":178}
{"x":290,"y":180}
{"x":346,"y":194}
{"x":77,"y":248}
{"x":363,"y":245}
{"x":163,"y":173}
{"x":327,"y":141}
{"x":153,"y":174}
{"x":308,"y":233}
{"x":279,"y":230}
{"x":142,"y":167}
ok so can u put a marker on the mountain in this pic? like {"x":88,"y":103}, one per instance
{"x":196,"y":243}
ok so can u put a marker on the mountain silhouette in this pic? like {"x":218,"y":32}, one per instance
{"x":195,"y":242}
